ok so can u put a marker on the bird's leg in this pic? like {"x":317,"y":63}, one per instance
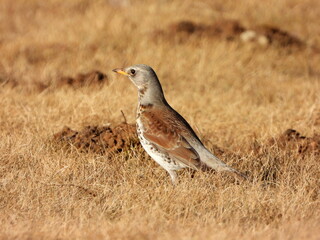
{"x":173,"y":176}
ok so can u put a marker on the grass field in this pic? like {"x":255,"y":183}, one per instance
{"x":238,"y":96}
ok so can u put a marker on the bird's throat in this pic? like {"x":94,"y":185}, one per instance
{"x":150,"y":96}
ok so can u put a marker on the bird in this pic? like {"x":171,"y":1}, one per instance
{"x":163,"y":133}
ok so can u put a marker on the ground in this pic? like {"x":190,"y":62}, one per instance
{"x":245,"y":76}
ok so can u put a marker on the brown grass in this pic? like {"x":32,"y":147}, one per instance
{"x":237,"y":96}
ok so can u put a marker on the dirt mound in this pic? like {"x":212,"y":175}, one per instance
{"x":81,"y":80}
{"x":293,"y":141}
{"x":187,"y":27}
{"x":223,"y":28}
{"x":100,"y":139}
{"x":93,"y":78}
{"x":228,"y":29}
{"x":7,"y":81}
{"x":274,"y":156}
{"x":13,"y":83}
{"x":266,"y":35}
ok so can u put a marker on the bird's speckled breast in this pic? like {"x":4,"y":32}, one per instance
{"x":163,"y":159}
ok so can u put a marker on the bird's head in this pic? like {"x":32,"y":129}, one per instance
{"x":146,"y":80}
{"x":141,"y":75}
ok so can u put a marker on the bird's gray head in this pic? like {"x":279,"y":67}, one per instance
{"x":146,"y":80}
{"x":141,"y":75}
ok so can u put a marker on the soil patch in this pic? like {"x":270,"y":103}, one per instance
{"x":100,"y":139}
{"x":182,"y":30}
{"x":293,"y":141}
{"x":93,"y":78}
{"x":229,"y":30}
{"x":272,"y":35}
{"x":273,"y":157}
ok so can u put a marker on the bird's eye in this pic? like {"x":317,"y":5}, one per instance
{"x":132,"y":71}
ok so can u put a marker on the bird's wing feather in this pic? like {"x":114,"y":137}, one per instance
{"x":160,"y":132}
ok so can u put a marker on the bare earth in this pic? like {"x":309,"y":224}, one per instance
{"x":245,"y":75}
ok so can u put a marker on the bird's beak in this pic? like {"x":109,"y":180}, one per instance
{"x":120,"y":70}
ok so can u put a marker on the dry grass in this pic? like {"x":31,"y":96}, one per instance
{"x":235,"y":95}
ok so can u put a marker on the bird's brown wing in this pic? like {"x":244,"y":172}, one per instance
{"x":164,"y":134}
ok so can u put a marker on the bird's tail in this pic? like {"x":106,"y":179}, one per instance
{"x":216,"y":164}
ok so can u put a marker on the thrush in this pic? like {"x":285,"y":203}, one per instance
{"x":164,"y":134}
